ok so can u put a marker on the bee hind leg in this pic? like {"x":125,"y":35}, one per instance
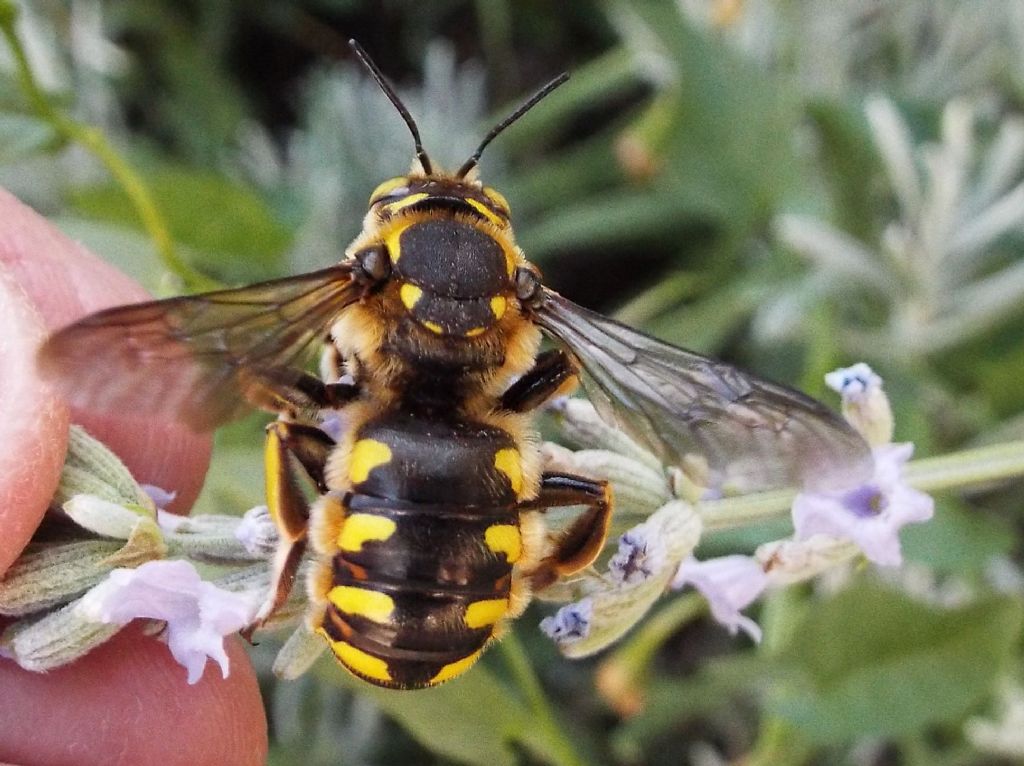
{"x":291,"y":449}
{"x":577,"y":546}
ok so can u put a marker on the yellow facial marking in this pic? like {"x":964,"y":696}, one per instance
{"x":456,"y":668}
{"x":357,"y":660}
{"x":475,"y":332}
{"x":485,"y":211}
{"x":405,"y":202}
{"x":498,"y":306}
{"x":393,"y":243}
{"x":363,"y":527}
{"x":504,"y":538}
{"x":387,"y":187}
{"x":479,"y":614}
{"x":498,"y":199}
{"x":370,"y":604}
{"x":434,"y":327}
{"x":510,"y":262}
{"x":367,"y":454}
{"x":410,"y":294}
{"x":507,"y":461}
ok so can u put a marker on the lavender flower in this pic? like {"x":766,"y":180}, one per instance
{"x":570,"y":623}
{"x":865,"y":404}
{"x":870,"y":515}
{"x":161,"y":497}
{"x":198,"y":614}
{"x":730,"y":584}
{"x":641,"y":554}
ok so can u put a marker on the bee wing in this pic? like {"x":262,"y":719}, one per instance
{"x":202,"y":358}
{"x":735,"y":431}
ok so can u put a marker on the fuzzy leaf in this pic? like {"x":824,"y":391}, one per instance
{"x":873,"y":662}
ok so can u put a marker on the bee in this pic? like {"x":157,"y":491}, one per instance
{"x":427,"y":529}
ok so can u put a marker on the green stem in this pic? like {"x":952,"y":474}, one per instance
{"x":933,"y":474}
{"x":522,"y":670}
{"x":94,"y":141}
{"x":967,"y":467}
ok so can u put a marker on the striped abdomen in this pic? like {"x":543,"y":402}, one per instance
{"x":424,"y":567}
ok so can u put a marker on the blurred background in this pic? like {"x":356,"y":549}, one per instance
{"x":790,"y":186}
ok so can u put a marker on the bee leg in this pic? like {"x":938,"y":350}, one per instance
{"x":553,"y":373}
{"x":578,"y":546}
{"x":298,"y":394}
{"x":288,"y":444}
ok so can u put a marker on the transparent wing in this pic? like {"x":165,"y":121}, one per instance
{"x":203,"y":358}
{"x":734,"y":431}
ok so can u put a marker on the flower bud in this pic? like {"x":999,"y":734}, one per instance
{"x":615,"y":603}
{"x":47,"y":575}
{"x":580,"y":424}
{"x":103,"y":517}
{"x":54,"y":640}
{"x":865,"y":404}
{"x":638,"y":489}
{"x":90,"y":468}
{"x":791,"y":561}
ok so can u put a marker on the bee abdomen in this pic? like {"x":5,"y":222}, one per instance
{"x":423,"y":460}
{"x":417,"y":589}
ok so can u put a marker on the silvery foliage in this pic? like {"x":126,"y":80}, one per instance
{"x":922,"y":49}
{"x":940,"y":266}
{"x":352,"y":139}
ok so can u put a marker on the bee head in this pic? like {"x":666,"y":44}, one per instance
{"x":446,"y":236}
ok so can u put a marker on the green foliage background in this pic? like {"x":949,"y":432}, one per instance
{"x":712,"y":172}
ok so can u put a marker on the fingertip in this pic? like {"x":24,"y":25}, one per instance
{"x":128,"y":702}
{"x":33,"y":425}
{"x":63,"y":281}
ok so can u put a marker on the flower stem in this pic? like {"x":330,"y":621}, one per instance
{"x":94,"y":141}
{"x":968,"y":467}
{"x":529,"y":685}
{"x":953,"y":471}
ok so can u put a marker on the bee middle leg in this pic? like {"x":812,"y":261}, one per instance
{"x":581,"y":543}
{"x":290,"y":448}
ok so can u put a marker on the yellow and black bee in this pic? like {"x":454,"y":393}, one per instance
{"x":427,"y":532}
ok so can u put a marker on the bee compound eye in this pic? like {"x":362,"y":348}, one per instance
{"x":527,"y":285}
{"x":374,"y":262}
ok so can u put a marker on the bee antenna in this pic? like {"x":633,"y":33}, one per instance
{"x":374,"y":70}
{"x":532,"y":102}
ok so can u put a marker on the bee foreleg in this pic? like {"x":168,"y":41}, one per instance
{"x":576,"y":547}
{"x":298,"y":394}
{"x":289,"y":446}
{"x":553,"y":373}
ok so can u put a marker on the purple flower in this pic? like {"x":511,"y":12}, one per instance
{"x":570,"y":623}
{"x":730,"y":584}
{"x":641,"y":554}
{"x":161,"y":497}
{"x":854,"y":383}
{"x":198,"y":614}
{"x":865,"y":405}
{"x":870,"y":515}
